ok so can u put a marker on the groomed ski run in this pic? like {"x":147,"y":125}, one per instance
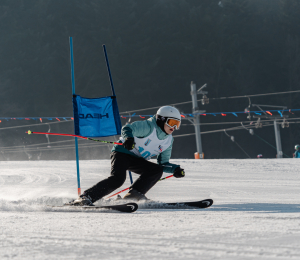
{"x":255,"y":215}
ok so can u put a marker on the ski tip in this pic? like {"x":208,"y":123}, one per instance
{"x":133,"y":206}
{"x":203,"y":203}
{"x":208,"y":202}
{"x":127,"y":207}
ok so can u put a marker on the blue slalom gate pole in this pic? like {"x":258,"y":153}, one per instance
{"x":112,"y":88}
{"x":108,"y":69}
{"x":73,"y":92}
{"x":130,"y":175}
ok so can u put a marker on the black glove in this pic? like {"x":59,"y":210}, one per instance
{"x":179,"y":173}
{"x":129,"y":143}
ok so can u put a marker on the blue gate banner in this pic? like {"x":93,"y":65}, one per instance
{"x":96,"y":117}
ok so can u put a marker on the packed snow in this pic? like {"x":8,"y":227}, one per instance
{"x":256,"y":213}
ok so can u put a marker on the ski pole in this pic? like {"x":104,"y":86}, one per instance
{"x":130,"y":186}
{"x":87,"y":138}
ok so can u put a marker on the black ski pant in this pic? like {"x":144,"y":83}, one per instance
{"x":149,"y":173}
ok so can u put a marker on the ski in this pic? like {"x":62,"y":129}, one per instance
{"x":195,"y":204}
{"x":171,"y":205}
{"x":127,"y":207}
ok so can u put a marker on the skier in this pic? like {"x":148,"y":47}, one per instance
{"x":297,"y":153}
{"x":141,"y":141}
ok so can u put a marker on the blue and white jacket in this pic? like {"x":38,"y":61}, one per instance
{"x":150,"y":141}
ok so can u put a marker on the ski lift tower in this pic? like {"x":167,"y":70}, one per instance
{"x":196,"y":116}
{"x":276,"y":126}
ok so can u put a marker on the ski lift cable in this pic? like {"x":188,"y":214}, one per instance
{"x":239,"y":122}
{"x":48,"y":148}
{"x":20,"y":126}
{"x":97,"y":145}
{"x":213,"y":131}
{"x":180,"y":103}
{"x":32,"y":145}
{"x":242,"y":149}
{"x":232,"y":139}
{"x":269,"y":144}
{"x":232,"y":97}
{"x":257,"y":95}
{"x":221,"y":130}
{"x":53,"y":148}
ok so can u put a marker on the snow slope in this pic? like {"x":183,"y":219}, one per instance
{"x":256,"y":214}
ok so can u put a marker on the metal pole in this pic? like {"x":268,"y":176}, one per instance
{"x":278,"y":139}
{"x":73,"y":91}
{"x":196,"y":119}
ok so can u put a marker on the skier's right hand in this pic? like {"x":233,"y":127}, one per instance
{"x":179,"y":173}
{"x":129,"y":143}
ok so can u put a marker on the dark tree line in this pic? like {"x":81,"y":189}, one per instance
{"x":156,"y":48}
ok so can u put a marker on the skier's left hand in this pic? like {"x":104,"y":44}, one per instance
{"x":129,"y":143}
{"x":179,"y":173}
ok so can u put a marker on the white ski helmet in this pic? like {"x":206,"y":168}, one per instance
{"x":297,"y":147}
{"x":166,"y":112}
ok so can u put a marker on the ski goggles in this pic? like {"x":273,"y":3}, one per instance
{"x":171,"y":122}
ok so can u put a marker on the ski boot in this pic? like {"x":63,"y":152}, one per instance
{"x":83,"y":200}
{"x":135,"y":195}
